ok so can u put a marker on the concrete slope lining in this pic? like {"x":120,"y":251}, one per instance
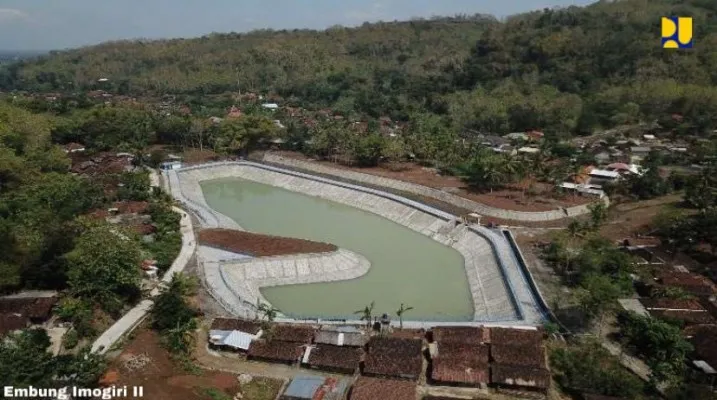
{"x":450,"y":198}
{"x":417,"y":216}
{"x":479,"y":260}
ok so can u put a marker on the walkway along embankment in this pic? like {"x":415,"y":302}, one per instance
{"x":527,"y":308}
{"x":446,"y":197}
{"x":136,"y":315}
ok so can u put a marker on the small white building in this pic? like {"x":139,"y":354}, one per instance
{"x":74,"y":148}
{"x":528,"y":150}
{"x":167,"y":165}
{"x":270,"y":106}
{"x":586,"y":189}
{"x":605,"y":175}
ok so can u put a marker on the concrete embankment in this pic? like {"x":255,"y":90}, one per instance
{"x":499,"y":291}
{"x":238,"y":280}
{"x":450,"y":198}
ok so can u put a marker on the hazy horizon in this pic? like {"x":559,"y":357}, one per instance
{"x":39,"y":25}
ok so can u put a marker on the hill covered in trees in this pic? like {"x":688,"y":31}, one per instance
{"x":571,"y":70}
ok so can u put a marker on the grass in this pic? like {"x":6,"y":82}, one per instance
{"x":262,"y":389}
{"x":216,"y":394}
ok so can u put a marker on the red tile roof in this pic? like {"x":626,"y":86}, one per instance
{"x":671,"y":304}
{"x":12,"y":322}
{"x":461,"y":334}
{"x":687,"y":317}
{"x":31,"y":307}
{"x":131,"y":207}
{"x":693,"y":283}
{"x":450,"y":370}
{"x":293,"y":333}
{"x":375,"y":389}
{"x":704,"y":340}
{"x":505,"y":375}
{"x":526,"y":356}
{"x":335,"y":358}
{"x":478,"y":353}
{"x":515,"y":336}
{"x":231,"y":324}
{"x":275,"y":351}
{"x":394,"y":357}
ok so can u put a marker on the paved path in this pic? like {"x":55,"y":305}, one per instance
{"x":634,"y":364}
{"x":136,"y":315}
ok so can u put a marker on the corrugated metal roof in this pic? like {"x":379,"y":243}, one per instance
{"x":235,"y":339}
{"x":238,"y":340}
{"x":316,"y":387}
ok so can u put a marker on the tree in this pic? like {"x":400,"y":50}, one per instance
{"x":135,"y":186}
{"x":25,"y":361}
{"x":103,"y":266}
{"x":486,"y":170}
{"x":587,"y":367}
{"x":701,"y":191}
{"x":598,"y":214}
{"x":173,"y":317}
{"x":268,"y":312}
{"x":367,"y":314}
{"x":394,"y":150}
{"x":598,"y":296}
{"x":243,"y":134}
{"x":83,"y":369}
{"x":368,"y":150}
{"x":661,"y":343}
{"x":401,"y":310}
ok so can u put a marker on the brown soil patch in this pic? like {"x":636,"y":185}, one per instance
{"x":636,"y":217}
{"x":163,"y":379}
{"x":258,"y":245}
{"x":511,"y":198}
{"x":196,"y":156}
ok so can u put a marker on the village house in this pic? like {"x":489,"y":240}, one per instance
{"x":336,"y":359}
{"x":638,"y":153}
{"x":275,"y":351}
{"x":624,"y":169}
{"x":694,"y":284}
{"x":603,"y":176}
{"x":518,"y":359}
{"x":234,"y":112}
{"x":18,"y":311}
{"x":315,"y":387}
{"x":687,"y":311}
{"x":704,"y":357}
{"x":233,"y":334}
{"x":366,"y":388}
{"x":74,"y":148}
{"x":462,"y":364}
{"x":516,"y":136}
{"x":341,"y":336}
{"x":528,"y":150}
{"x":394,"y":358}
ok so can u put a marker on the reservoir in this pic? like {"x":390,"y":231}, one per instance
{"x":406,"y":266}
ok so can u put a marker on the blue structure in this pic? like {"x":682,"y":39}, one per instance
{"x":309,"y":387}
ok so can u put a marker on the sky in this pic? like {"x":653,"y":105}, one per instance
{"x":60,"y":24}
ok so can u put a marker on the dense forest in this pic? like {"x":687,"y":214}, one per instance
{"x":571,"y":70}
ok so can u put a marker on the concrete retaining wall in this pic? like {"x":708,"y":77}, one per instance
{"x":431,"y":192}
{"x":499,"y":290}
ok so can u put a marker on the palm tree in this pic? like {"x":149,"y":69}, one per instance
{"x":400,"y":312}
{"x":366,"y":314}
{"x":268,"y":312}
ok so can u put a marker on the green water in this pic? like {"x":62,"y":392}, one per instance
{"x":406,"y":266}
